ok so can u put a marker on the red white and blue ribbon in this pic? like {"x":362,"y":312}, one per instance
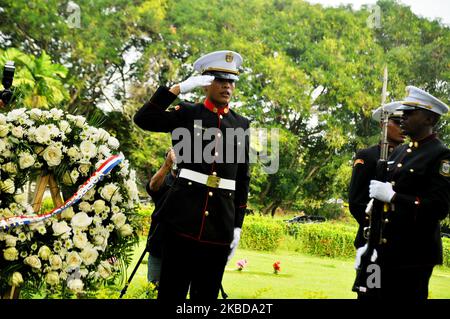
{"x":98,"y":175}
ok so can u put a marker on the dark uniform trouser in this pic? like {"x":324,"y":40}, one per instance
{"x":406,"y":283}
{"x":187,"y":263}
{"x":403,"y":283}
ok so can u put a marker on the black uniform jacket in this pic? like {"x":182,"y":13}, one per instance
{"x":194,"y":210}
{"x":420,"y":176}
{"x":364,"y":170}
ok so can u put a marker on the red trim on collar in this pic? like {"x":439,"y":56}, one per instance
{"x":213,"y":108}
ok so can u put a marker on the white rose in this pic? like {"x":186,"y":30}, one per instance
{"x":85,"y":206}
{"x":53,"y":155}
{"x":33,"y":261}
{"x":84,"y":169}
{"x":80,"y":240}
{"x":7,"y":186}
{"x":2,"y":119}
{"x":4,"y":130}
{"x":17,"y":131}
{"x":88,"y":149}
{"x":55,"y":262}
{"x":99,"y":206}
{"x":10,"y":167}
{"x":67,"y":213}
{"x":21,"y":199}
{"x":44,"y":253}
{"x":52,"y":278}
{"x":60,"y":228}
{"x":89,"y":194}
{"x":81,"y":220}
{"x":89,"y":256}
{"x":104,"y":150}
{"x":113,"y":142}
{"x":73,"y":260}
{"x":15,"y":114}
{"x":42,"y":134}
{"x":132,"y":189}
{"x":10,"y":254}
{"x":73,"y":152}
{"x":103,"y":135}
{"x":26,"y":160}
{"x":56,"y":114}
{"x":126,"y":230}
{"x":64,"y":126}
{"x":76,"y":285}
{"x":104,"y":269}
{"x":74,"y":175}
{"x":2,"y":145}
{"x":119,"y":219}
{"x":16,"y":279}
{"x":10,"y":240}
{"x":108,"y":191}
{"x":100,"y":242}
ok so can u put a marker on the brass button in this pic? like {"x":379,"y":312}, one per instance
{"x":206,"y":213}
{"x":198,"y":134}
{"x":189,"y":183}
{"x":411,"y":144}
{"x":386,"y":221}
{"x":210,"y":193}
{"x":409,"y":150}
{"x":393,"y":183}
{"x":416,"y":202}
{"x":384,"y":240}
{"x":411,"y":170}
{"x":399,"y":165}
{"x":221,"y":117}
{"x":225,"y":110}
{"x":416,"y":144}
{"x":214,"y":173}
{"x":215,"y":109}
{"x":216,"y":153}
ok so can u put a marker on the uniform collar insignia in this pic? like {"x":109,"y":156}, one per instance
{"x":220,"y":110}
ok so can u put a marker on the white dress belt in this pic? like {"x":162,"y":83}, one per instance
{"x":208,"y":180}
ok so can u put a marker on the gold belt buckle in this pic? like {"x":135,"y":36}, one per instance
{"x":213,"y":181}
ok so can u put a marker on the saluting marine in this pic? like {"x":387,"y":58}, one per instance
{"x":204,"y":209}
{"x":418,"y":191}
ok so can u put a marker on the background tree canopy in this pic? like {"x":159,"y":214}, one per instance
{"x":314,"y":73}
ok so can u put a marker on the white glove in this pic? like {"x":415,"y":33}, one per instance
{"x":234,"y":243}
{"x":381,"y":191}
{"x":195,"y":82}
{"x":360,"y":251}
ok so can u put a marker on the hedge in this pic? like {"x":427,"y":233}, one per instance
{"x":329,"y":239}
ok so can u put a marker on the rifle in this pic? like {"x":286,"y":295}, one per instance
{"x":376,"y":209}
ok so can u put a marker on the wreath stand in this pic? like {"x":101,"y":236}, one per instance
{"x":42,"y":182}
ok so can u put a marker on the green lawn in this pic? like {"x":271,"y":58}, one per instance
{"x":301,"y":277}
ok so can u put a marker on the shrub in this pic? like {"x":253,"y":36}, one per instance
{"x":261,"y":233}
{"x":446,"y":251}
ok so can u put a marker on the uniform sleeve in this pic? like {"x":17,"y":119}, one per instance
{"x":242,"y":185}
{"x":153,"y":116}
{"x":435,"y":202}
{"x":358,"y":196}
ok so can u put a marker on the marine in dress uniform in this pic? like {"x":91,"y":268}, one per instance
{"x":418,"y":191}
{"x":204,"y":209}
{"x":365,"y":169}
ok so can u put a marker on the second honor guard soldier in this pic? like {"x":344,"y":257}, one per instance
{"x":204,"y":210}
{"x":364,"y":169}
{"x":418,"y":193}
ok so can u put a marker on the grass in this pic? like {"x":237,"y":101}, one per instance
{"x":301,"y":277}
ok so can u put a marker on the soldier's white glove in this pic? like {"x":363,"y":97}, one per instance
{"x":234,"y":243}
{"x":195,"y":82}
{"x":360,"y":251}
{"x":381,"y":191}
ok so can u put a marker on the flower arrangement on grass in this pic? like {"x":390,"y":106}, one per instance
{"x":241,"y":264}
{"x":90,"y":242}
{"x":276,"y":267}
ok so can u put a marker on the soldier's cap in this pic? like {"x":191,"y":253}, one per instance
{"x":419,"y":99}
{"x":390,"y":108}
{"x":220,"y":64}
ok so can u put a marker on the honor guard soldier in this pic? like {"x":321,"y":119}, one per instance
{"x":418,"y":193}
{"x":204,"y":209}
{"x":364,"y":169}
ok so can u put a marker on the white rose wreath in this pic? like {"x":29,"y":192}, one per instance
{"x":88,"y":243}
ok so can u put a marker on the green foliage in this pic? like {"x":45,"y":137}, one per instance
{"x":261,"y":233}
{"x":446,"y":251}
